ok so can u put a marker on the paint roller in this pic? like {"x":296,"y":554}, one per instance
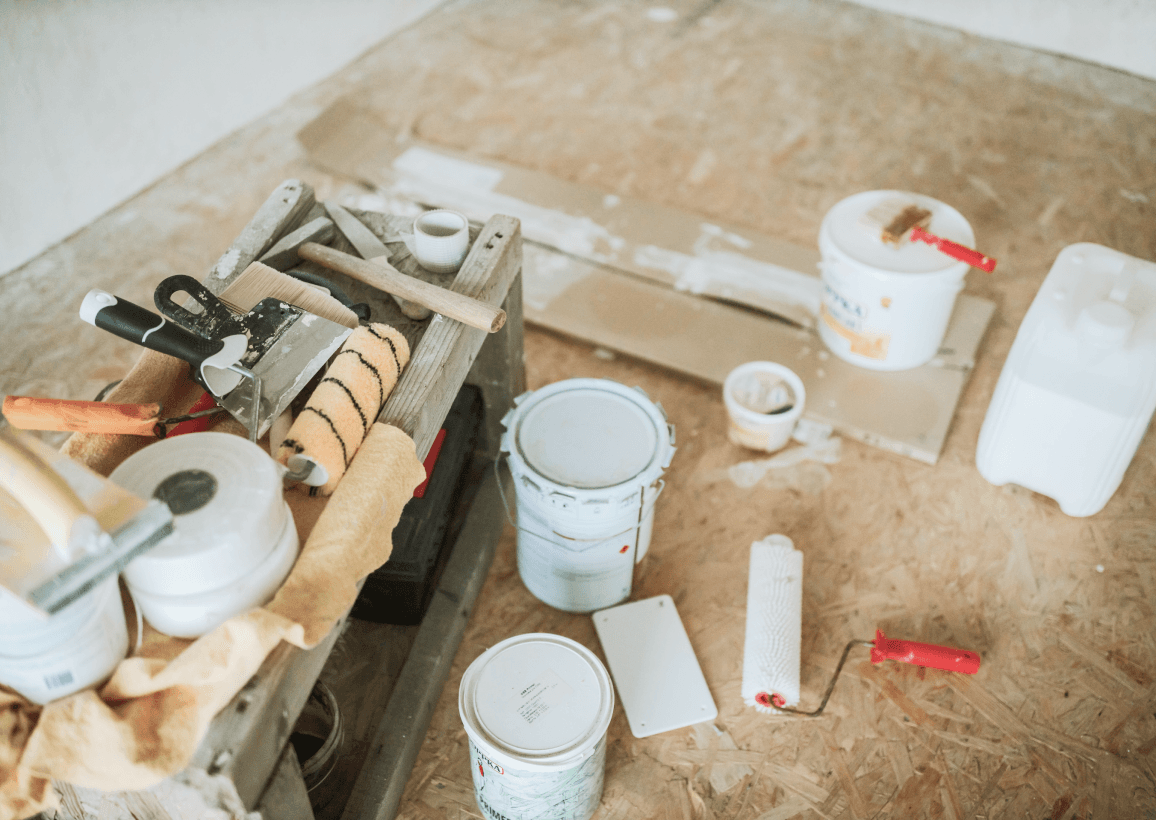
{"x":326,"y":434}
{"x":771,"y":652}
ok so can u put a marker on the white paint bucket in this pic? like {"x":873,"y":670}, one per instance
{"x":45,"y":658}
{"x":764,"y":401}
{"x":233,"y":540}
{"x":536,"y":708}
{"x":886,"y":307}
{"x":587,"y":456}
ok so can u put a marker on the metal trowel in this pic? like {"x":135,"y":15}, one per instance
{"x":283,"y":347}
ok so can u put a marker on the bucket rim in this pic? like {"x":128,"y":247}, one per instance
{"x":565,"y":757}
{"x":519,"y":465}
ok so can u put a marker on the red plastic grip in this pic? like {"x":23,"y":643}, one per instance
{"x":205,"y":402}
{"x":924,"y":654}
{"x":955,"y":250}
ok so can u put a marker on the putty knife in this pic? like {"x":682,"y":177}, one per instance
{"x":287,"y":346}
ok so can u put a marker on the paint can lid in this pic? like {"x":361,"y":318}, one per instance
{"x":590,"y":434}
{"x":229,"y":512}
{"x":536,"y":701}
{"x":852,"y":230}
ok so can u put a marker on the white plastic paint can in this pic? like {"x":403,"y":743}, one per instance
{"x":587,"y":457}
{"x":886,"y":307}
{"x":45,"y":658}
{"x":536,"y":708}
{"x":233,"y":540}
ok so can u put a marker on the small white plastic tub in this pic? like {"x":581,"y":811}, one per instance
{"x":233,"y":541}
{"x":764,"y":401}
{"x":587,"y":457}
{"x":886,"y":307}
{"x":536,"y":709}
{"x":45,"y":658}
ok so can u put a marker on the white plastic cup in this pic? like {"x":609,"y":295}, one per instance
{"x":440,"y":240}
{"x":887,"y":307}
{"x":587,"y":458}
{"x":536,"y":709}
{"x":749,"y":391}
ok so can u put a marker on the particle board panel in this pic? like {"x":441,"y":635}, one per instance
{"x":765,"y":113}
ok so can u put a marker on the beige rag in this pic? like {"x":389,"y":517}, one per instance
{"x":147,"y":721}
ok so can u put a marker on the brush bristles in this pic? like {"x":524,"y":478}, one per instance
{"x":259,"y":281}
{"x":894,"y":219}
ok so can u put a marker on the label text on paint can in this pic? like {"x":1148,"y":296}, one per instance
{"x":847,"y":312}
{"x":58,"y":679}
{"x":536,"y":794}
{"x":539,"y":697}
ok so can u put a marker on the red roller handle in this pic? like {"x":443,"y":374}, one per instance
{"x":924,"y":654}
{"x":955,"y":250}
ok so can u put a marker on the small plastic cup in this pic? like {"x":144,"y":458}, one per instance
{"x":764,"y":400}
{"x":440,"y":240}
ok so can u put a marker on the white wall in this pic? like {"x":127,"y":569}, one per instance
{"x":1116,"y":33}
{"x":99,"y":98}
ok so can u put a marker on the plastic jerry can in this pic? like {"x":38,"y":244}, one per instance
{"x":1078,"y":388}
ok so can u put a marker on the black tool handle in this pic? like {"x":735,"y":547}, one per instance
{"x":145,"y":328}
{"x":215,"y":321}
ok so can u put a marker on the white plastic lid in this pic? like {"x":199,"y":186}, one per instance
{"x":847,"y":230}
{"x":537,"y":700}
{"x":589,"y":434}
{"x":228,"y":510}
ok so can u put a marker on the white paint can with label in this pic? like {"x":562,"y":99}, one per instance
{"x":587,"y":457}
{"x":536,"y":709}
{"x":48,"y":657}
{"x":886,"y":307}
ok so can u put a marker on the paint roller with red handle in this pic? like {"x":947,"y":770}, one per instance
{"x":771,"y":653}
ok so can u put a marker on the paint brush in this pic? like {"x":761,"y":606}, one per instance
{"x":899,"y":221}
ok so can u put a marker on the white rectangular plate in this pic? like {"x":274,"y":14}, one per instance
{"x":654,"y":667}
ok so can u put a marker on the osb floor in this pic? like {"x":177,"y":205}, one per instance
{"x":765,"y":114}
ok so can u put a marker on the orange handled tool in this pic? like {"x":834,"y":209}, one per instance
{"x":28,"y":413}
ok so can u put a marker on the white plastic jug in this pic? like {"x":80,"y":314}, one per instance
{"x":1079,"y":386}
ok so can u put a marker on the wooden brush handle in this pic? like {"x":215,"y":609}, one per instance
{"x":29,"y":413}
{"x":383,"y":276}
{"x":40,"y":490}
